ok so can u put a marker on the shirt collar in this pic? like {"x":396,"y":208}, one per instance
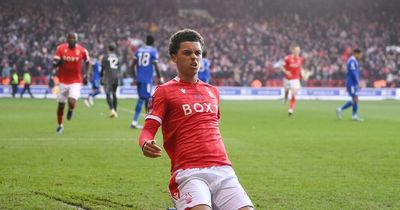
{"x":179,"y":79}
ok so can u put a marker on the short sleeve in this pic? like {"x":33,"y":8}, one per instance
{"x":85,"y":55}
{"x":286,"y":62}
{"x":58,"y":54}
{"x":155,"y":56}
{"x":157,"y":105}
{"x":352,"y":65}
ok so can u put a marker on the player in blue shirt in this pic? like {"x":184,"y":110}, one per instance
{"x":204,"y":70}
{"x":352,"y":81}
{"x":95,"y":81}
{"x":143,"y":67}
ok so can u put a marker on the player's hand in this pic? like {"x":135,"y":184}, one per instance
{"x":151,"y":150}
{"x":54,"y":72}
{"x":85,"y":79}
{"x":288,"y":73}
{"x":58,"y":62}
{"x":161,"y":80}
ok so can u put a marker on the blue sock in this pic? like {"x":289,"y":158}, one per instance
{"x":138,"y":109}
{"x":355,"y":109}
{"x":346,"y":105}
{"x":95,"y":93}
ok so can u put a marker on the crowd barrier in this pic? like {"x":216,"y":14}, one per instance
{"x":240,"y":93}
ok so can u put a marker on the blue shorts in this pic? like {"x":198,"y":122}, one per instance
{"x":352,"y":90}
{"x":144,"y":90}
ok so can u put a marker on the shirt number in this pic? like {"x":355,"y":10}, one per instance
{"x":144,"y":59}
{"x":113,"y":62}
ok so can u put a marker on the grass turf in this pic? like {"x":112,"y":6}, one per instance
{"x":308,"y":161}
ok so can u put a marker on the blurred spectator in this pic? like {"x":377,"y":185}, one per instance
{"x":27,"y":80}
{"x":14,"y":82}
{"x":243,"y":39}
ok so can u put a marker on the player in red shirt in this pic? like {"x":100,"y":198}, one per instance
{"x":292,"y":68}
{"x":188,"y":110}
{"x":68,"y":59}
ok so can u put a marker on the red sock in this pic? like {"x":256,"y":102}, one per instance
{"x":60,"y":113}
{"x":292,"y":102}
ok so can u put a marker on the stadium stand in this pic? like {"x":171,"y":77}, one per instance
{"x":244,"y":42}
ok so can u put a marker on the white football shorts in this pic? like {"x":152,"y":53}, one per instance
{"x":68,"y":91}
{"x":217,"y":187}
{"x":291,"y":84}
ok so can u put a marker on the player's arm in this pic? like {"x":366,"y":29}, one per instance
{"x":146,"y":139}
{"x":302,"y":70}
{"x":102,"y":62}
{"x":157,"y":107}
{"x":356,"y":75}
{"x":103,"y":66}
{"x":131,"y":53}
{"x":156,"y":67}
{"x":353,"y":71}
{"x":219,"y":105}
{"x":284,"y":70}
{"x":102,"y":72}
{"x":57,"y":59}
{"x":158,"y":72}
{"x":133,"y":67}
{"x":88,"y":68}
{"x":57,"y":62}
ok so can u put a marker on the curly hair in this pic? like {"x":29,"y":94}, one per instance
{"x":185,"y":35}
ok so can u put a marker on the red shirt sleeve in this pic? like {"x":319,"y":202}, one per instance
{"x":58,"y":55}
{"x":148,"y":132}
{"x":157,"y":105}
{"x":286,"y":63}
{"x":85,"y":54}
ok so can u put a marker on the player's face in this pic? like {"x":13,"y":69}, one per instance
{"x":71,"y":39}
{"x":358,"y":56}
{"x":188,"y":59}
{"x":296,"y":51}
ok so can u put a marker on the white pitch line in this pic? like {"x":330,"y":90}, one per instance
{"x":127,"y":110}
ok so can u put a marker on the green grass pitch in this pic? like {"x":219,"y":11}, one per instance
{"x":308,"y":161}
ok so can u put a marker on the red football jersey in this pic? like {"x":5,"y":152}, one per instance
{"x":189,"y":115}
{"x":293,"y":65}
{"x":71,"y":70}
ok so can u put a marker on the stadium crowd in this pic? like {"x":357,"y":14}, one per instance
{"x":245,"y":40}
